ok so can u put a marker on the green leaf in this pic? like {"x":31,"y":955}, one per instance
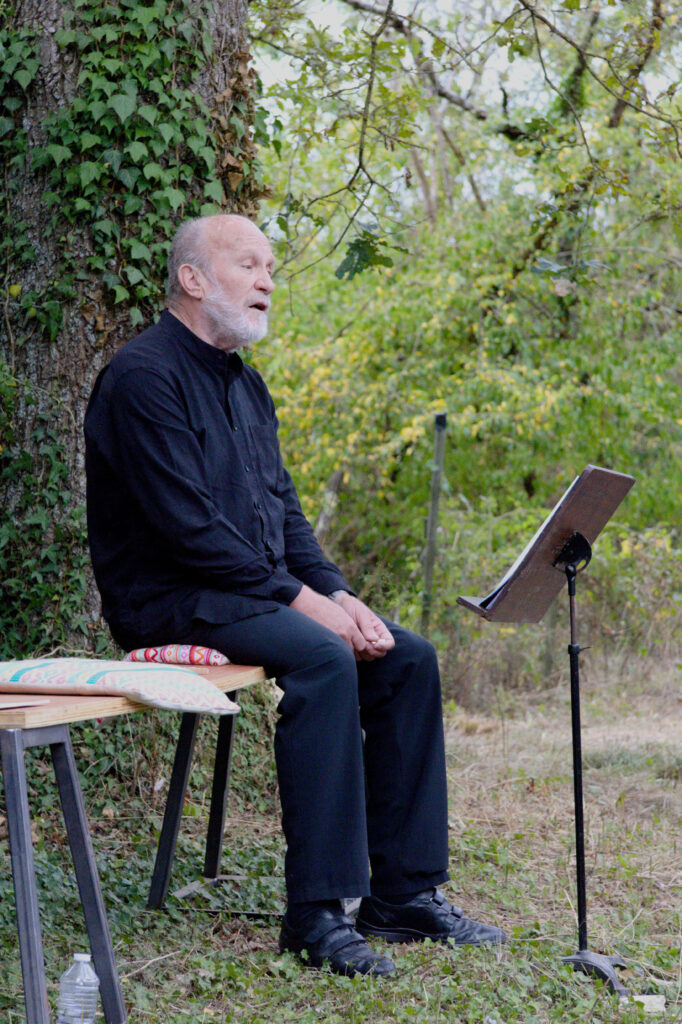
{"x":120,"y":294}
{"x":124,"y":104}
{"x":137,"y":151}
{"x":129,"y":176}
{"x":88,"y":172}
{"x":98,"y":109}
{"x":113,"y":157}
{"x":363,"y":252}
{"x":139,"y":251}
{"x":214,"y":190}
{"x":87,"y":140}
{"x":149,"y":113}
{"x":58,"y":153}
{"x":167,"y":132}
{"x":152,"y":170}
{"x":24,"y":76}
{"x":6,"y":125}
{"x":438,"y":47}
{"x":133,"y":274}
{"x":175,"y":197}
{"x":65,"y":36}
{"x":132,"y":205}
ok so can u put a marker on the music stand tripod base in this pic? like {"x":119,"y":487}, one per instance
{"x":600,"y":966}
{"x":573,"y":557}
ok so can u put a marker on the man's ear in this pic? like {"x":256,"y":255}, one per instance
{"x":192,"y":281}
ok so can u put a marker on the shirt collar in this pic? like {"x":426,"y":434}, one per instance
{"x":211,"y":356}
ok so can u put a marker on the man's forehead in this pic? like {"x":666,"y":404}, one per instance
{"x":235,"y":233}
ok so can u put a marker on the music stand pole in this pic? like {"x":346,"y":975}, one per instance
{"x":573,"y":557}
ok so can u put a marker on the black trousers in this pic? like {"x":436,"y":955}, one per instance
{"x":345,"y":808}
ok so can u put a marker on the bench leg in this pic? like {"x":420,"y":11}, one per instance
{"x":173,"y":813}
{"x":88,"y":881}
{"x":219,"y":793}
{"x":23,"y":874}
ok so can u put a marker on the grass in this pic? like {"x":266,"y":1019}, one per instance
{"x":212,"y":957}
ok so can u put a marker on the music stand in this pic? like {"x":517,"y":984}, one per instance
{"x":562,"y":548}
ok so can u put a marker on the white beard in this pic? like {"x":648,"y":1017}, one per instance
{"x":233,"y":328}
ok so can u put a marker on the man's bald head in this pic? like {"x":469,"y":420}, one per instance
{"x":220,"y":279}
{"x":196,"y":242}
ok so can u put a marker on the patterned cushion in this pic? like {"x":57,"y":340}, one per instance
{"x":173,"y":688}
{"x":178,"y":654}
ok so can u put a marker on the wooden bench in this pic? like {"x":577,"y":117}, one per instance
{"x":47,"y":723}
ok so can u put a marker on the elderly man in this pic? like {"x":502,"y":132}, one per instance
{"x":197,"y":536}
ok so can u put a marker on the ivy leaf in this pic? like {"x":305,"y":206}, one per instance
{"x":120,"y":294}
{"x":363,"y":252}
{"x":6,"y":125}
{"x":137,"y":151}
{"x":214,"y":190}
{"x":98,"y":109}
{"x":123,"y":104}
{"x":88,"y":172}
{"x":24,"y":76}
{"x":167,"y":131}
{"x":113,"y":157}
{"x":175,"y":197}
{"x":58,"y":153}
{"x":139,"y":251}
{"x":129,"y":176}
{"x":152,"y":170}
{"x":64,"y":36}
{"x":133,"y":274}
{"x":148,"y":112}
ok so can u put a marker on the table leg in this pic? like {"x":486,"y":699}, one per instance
{"x":23,"y":874}
{"x":173,"y":814}
{"x":219,"y":793}
{"x":88,"y":881}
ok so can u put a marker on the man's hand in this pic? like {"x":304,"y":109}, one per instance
{"x":333,"y":616}
{"x":378,"y":639}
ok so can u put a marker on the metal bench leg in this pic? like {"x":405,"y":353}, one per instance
{"x":219,"y":793}
{"x":88,"y":881}
{"x":23,"y":873}
{"x":173,"y":812}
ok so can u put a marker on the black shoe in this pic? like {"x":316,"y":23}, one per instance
{"x":427,"y":916}
{"x":328,"y":937}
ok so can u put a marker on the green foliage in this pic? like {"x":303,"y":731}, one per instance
{"x":364,"y":251}
{"x":131,"y":151}
{"x":43,"y":564}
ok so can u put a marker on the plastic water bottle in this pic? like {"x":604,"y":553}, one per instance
{"x":78,"y":990}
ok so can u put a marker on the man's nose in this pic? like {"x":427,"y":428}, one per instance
{"x":264,"y":282}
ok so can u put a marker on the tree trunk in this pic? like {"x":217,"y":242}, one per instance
{"x":119,"y":122}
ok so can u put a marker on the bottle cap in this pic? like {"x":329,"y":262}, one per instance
{"x":82,"y":958}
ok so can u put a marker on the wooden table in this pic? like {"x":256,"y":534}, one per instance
{"x":48,"y":723}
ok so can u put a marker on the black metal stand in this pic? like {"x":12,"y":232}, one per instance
{"x":13,"y":744}
{"x":574,"y":556}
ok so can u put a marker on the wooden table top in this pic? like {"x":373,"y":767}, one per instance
{"x":62,"y":709}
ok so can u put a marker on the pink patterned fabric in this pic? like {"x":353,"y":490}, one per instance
{"x":178,"y":654}
{"x":162,"y":686}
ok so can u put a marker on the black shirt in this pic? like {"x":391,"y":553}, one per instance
{"x":190,"y":510}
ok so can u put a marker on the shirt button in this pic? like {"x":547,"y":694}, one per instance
{"x":247,"y":468}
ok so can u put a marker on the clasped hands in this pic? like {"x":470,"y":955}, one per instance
{"x":349,"y":618}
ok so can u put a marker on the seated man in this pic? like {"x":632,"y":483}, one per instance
{"x":197,"y":536}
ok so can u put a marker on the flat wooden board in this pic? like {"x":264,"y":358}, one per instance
{"x":527,"y":590}
{"x":63,"y":709}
